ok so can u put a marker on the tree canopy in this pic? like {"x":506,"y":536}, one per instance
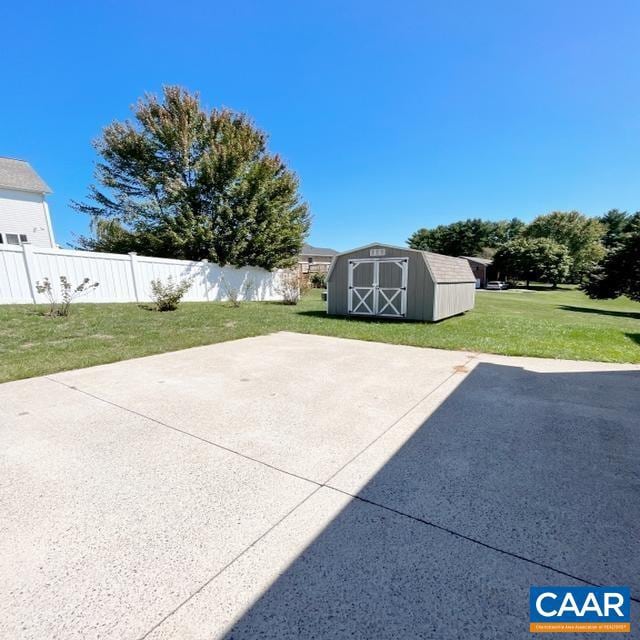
{"x":580,"y":234}
{"x":466,"y":238}
{"x":619,"y":272}
{"x":616,"y":224}
{"x":183,"y":182}
{"x":539,"y":259}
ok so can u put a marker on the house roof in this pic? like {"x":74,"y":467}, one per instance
{"x":19,"y":174}
{"x":308,"y":250}
{"x":485,"y":261}
{"x":444,"y":269}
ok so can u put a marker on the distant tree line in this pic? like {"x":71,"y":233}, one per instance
{"x":602,"y":254}
{"x":473,"y":237}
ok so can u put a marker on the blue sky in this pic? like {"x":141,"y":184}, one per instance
{"x":394,"y":115}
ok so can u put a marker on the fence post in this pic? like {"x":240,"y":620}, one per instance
{"x":205,"y":270}
{"x":133,"y":256}
{"x":30,"y":268}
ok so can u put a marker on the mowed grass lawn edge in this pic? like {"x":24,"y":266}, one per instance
{"x":561,"y":323}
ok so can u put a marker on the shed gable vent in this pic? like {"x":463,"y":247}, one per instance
{"x":377,"y":252}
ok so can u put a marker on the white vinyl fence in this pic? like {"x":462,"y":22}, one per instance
{"x":123,"y":278}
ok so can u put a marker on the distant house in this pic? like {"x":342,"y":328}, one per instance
{"x":482,"y":270}
{"x":315,"y":259}
{"x":24,"y":214}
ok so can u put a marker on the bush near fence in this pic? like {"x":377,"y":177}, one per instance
{"x":123,"y":278}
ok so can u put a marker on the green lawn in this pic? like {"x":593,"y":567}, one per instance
{"x":557,"y":324}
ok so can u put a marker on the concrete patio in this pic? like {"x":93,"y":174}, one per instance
{"x":296,"y":486}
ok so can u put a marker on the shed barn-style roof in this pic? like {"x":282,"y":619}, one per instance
{"x":448,"y":269}
{"x":20,"y":175}
{"x":444,"y":269}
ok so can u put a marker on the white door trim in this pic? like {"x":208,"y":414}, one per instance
{"x":361,"y":300}
{"x":373,"y":300}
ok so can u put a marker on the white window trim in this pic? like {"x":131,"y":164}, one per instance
{"x":4,"y":235}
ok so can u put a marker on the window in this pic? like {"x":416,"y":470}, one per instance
{"x":310,"y":260}
{"x":13,"y":238}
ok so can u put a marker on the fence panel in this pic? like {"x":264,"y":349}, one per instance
{"x":152,"y":268}
{"x":14,"y":283}
{"x":125,"y":278}
{"x":112,"y":271}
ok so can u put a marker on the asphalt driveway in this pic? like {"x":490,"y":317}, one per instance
{"x":294,"y":486}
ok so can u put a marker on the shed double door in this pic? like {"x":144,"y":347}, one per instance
{"x":378,"y":287}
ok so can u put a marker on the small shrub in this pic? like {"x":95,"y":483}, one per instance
{"x":318,"y":280}
{"x":235,"y":295}
{"x":167,"y":295}
{"x":292,"y":286}
{"x":67,"y":294}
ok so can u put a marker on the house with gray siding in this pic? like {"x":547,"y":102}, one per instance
{"x":24,"y":213}
{"x":397,"y":282}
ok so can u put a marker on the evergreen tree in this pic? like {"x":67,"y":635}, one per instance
{"x":619,"y":272}
{"x":184,"y":182}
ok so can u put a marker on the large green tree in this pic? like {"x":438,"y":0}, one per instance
{"x":580,"y":234}
{"x":528,"y":259}
{"x":619,"y":272}
{"x":184,"y":182}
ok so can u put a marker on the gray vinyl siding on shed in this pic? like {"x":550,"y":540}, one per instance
{"x":419,"y":286}
{"x":453,"y":298}
{"x":437,"y":286}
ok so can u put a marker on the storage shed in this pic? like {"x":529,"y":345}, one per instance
{"x":396,"y":282}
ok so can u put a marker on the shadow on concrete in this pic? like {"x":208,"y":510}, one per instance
{"x":634,"y":315}
{"x":517,"y":479}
